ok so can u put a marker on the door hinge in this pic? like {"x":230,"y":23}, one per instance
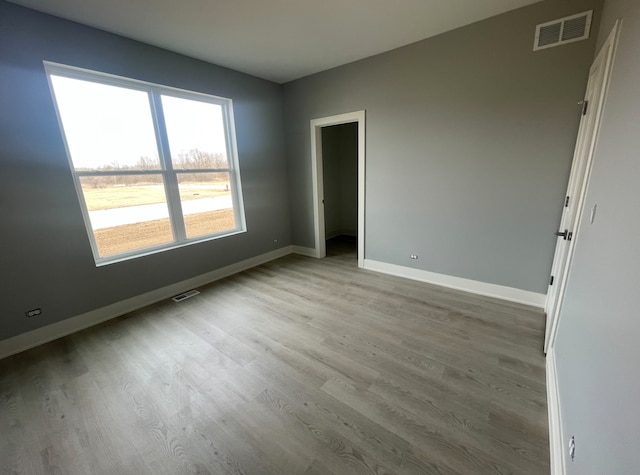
{"x":551,"y":281}
{"x":569,"y":236}
{"x":585,"y":106}
{"x":566,"y":202}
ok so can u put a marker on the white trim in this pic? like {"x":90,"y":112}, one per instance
{"x":122,"y":81}
{"x":362,"y":141}
{"x":42,"y":335}
{"x":304,"y":251}
{"x":467,"y":285}
{"x":317,"y":178}
{"x":556,"y":447}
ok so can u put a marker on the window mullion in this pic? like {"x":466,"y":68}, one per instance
{"x":170,"y":179}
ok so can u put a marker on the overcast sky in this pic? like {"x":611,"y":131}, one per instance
{"x":105,"y":124}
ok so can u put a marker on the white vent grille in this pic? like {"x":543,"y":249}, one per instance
{"x":184,"y":296}
{"x":563,"y":31}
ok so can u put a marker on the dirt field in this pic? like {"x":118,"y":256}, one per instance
{"x":119,"y":197}
{"x":129,"y":237}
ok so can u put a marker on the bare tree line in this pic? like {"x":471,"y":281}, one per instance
{"x":194,"y":159}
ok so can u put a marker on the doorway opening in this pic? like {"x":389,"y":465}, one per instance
{"x":338,"y":167}
{"x":340,"y":187}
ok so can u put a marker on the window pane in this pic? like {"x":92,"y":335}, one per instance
{"x":116,"y":130}
{"x":196,"y":133}
{"x":206,"y":203}
{"x":106,"y":127}
{"x":127,"y":212}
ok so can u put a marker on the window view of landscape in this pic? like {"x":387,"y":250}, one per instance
{"x":196,"y":135}
{"x":127,"y":190}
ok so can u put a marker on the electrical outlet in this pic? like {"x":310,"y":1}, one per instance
{"x":33,"y":313}
{"x":413,"y":256}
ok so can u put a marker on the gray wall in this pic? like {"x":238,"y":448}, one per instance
{"x":470,"y":137}
{"x":340,"y":173}
{"x":597,"y":350}
{"x":45,"y":257}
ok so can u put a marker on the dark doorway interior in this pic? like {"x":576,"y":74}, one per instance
{"x":340,"y":178}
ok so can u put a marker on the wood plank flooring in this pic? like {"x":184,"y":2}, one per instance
{"x":299,"y":366}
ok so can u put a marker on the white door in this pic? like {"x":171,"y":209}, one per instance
{"x":578,"y":181}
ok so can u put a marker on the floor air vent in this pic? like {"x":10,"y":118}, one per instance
{"x":185,"y":295}
{"x":562,"y":31}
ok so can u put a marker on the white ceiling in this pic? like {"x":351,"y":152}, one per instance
{"x":279,"y":40}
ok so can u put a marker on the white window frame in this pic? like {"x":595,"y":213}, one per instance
{"x":170,"y":176}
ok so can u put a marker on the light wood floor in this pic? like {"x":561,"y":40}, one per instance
{"x":300,"y":366}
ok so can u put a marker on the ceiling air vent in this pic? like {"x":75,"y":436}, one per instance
{"x":562,"y":31}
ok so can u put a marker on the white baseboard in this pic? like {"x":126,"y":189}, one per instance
{"x":42,"y":335}
{"x":473,"y":286}
{"x":71,"y":325}
{"x":556,"y":445}
{"x":304,"y":251}
{"x":342,"y":232}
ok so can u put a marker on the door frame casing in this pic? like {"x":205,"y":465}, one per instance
{"x":318,"y":178}
{"x":577,"y":190}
